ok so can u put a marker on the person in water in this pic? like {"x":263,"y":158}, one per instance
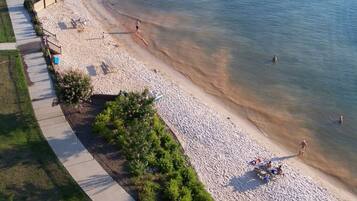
{"x":137,"y":25}
{"x":303,"y":146}
{"x":275,"y":59}
{"x":341,"y":119}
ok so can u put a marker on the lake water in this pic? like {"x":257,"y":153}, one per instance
{"x":226,"y":47}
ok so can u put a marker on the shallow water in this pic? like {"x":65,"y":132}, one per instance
{"x":226,"y":47}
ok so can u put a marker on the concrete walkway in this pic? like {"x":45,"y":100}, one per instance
{"x":7,"y":46}
{"x":92,"y":178}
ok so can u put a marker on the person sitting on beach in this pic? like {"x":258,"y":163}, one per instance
{"x":268,"y":165}
{"x":266,"y":178}
{"x":279,"y":170}
{"x":255,"y":162}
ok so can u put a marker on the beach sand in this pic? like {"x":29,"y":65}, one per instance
{"x":218,"y":147}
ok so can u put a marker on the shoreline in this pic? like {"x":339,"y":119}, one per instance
{"x":209,"y":101}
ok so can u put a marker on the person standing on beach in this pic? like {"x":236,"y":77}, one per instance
{"x":137,"y":25}
{"x":303,"y":146}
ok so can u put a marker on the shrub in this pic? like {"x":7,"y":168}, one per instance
{"x":74,"y":87}
{"x":178,"y":160}
{"x":101,"y":121}
{"x":137,"y":167}
{"x":35,"y":20}
{"x":189,"y":177}
{"x":151,"y":159}
{"x":148,"y":193}
{"x":172,"y":191}
{"x":28,"y":5}
{"x":38,"y":30}
{"x":158,"y":126}
{"x":165,"y":164}
{"x":186,"y":194}
{"x":168,"y":143}
{"x":202,"y":195}
{"x":131,"y":106}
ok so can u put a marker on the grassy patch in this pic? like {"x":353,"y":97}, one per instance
{"x":6,"y":31}
{"x":29,"y":170}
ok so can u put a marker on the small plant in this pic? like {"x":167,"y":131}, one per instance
{"x":173,"y":191}
{"x":165,"y":164}
{"x":186,"y":194}
{"x":38,"y":30}
{"x":35,"y":20}
{"x":28,"y":5}
{"x":137,"y":167}
{"x":148,"y":193}
{"x":74,"y":87}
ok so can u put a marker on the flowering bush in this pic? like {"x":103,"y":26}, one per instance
{"x":74,"y":87}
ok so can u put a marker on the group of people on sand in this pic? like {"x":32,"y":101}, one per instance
{"x":267,"y":171}
{"x":268,"y":166}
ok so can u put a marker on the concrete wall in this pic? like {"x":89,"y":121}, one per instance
{"x":49,"y":2}
{"x":39,"y":5}
{"x":43,"y":4}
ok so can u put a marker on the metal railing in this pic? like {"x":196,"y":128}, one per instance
{"x":54,"y":47}
{"x":49,"y":34}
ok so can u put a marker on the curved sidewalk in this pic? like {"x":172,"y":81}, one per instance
{"x":84,"y":169}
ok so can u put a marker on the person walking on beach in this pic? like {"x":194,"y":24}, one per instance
{"x":303,"y":146}
{"x":137,"y":25}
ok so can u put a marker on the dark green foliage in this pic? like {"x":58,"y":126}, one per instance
{"x":173,"y":191}
{"x":137,"y":167}
{"x":155,"y":158}
{"x":74,"y":87}
{"x":148,"y":192}
{"x":29,"y":5}
{"x":165,"y":163}
{"x":35,"y":20}
{"x":38,"y":30}
{"x":186,"y":194}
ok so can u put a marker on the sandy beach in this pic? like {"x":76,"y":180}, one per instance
{"x":218,"y":147}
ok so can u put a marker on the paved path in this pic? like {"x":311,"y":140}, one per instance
{"x":7,"y":46}
{"x":93,"y":179}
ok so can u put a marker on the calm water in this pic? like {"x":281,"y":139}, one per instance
{"x":227,"y":46}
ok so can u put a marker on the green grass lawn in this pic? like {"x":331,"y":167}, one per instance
{"x":6,"y":31}
{"x":29,"y":170}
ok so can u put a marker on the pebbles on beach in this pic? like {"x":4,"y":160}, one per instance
{"x":218,"y":149}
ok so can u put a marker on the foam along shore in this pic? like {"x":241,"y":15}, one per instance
{"x":218,"y":148}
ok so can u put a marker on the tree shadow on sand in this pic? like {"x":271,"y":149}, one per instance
{"x":246,"y":182}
